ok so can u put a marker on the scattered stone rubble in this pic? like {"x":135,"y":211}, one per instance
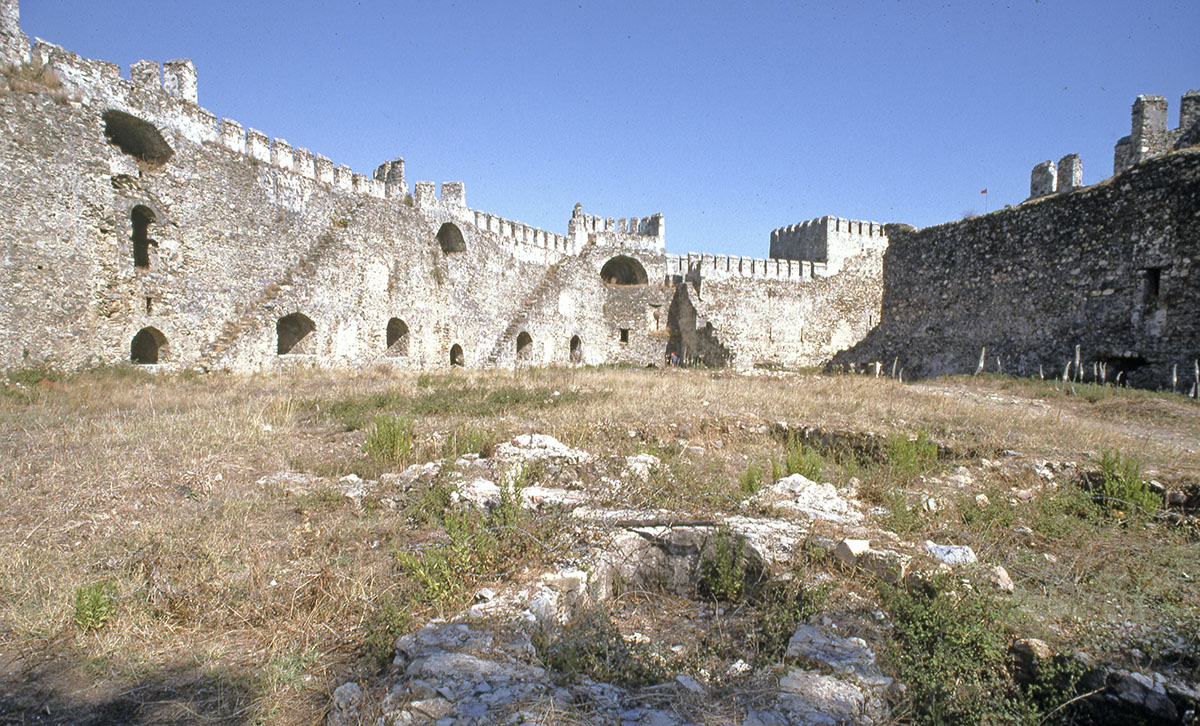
{"x":480,"y":665}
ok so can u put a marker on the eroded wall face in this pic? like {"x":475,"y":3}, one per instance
{"x":795,"y":322}
{"x":235,"y":245}
{"x":1114,"y":269}
{"x":131,"y":214}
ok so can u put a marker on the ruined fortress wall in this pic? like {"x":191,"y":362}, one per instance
{"x":797,"y":321}
{"x":1113,"y":268}
{"x":137,"y":226}
{"x":238,"y":243}
{"x":830,"y":240}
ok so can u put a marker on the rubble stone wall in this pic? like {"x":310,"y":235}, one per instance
{"x":1113,"y":268}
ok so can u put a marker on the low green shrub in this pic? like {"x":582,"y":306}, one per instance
{"x":911,"y":457}
{"x":723,"y":573}
{"x":1122,"y":486}
{"x":782,"y":606}
{"x":803,"y":460}
{"x":95,"y":605}
{"x":590,"y":645}
{"x":390,"y":440}
{"x":751,"y":481}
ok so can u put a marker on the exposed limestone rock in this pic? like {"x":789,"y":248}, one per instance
{"x":849,"y":550}
{"x":951,"y":554}
{"x":803,"y":496}
{"x":347,"y":699}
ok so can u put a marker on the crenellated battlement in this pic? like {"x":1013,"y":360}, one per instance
{"x":1149,"y":135}
{"x":632,"y":233}
{"x":725,"y":267}
{"x":827,"y":239}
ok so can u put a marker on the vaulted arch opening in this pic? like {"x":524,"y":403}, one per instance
{"x":136,"y":137}
{"x":290,"y":330}
{"x":623,"y":270}
{"x":456,"y":356}
{"x":142,"y":217}
{"x":450,"y":237}
{"x":576,"y":345}
{"x":148,"y":347}
{"x":524,"y":346}
{"x":397,"y":337}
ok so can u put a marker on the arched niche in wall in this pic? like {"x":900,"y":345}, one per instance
{"x":524,"y":346}
{"x":623,"y":270}
{"x":290,"y":330}
{"x":148,"y":347}
{"x":137,"y":137}
{"x":397,"y":337}
{"x":457,"y":359}
{"x":141,"y":217}
{"x":450,"y":237}
{"x":576,"y":349}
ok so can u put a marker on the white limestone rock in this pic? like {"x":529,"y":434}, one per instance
{"x":953,"y":555}
{"x":803,"y":496}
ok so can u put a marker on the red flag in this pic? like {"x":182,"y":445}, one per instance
{"x":983,"y":192}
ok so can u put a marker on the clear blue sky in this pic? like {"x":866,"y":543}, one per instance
{"x":730,"y":118}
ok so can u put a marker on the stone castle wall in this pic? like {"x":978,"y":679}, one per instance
{"x":137,"y":226}
{"x":1113,"y":268}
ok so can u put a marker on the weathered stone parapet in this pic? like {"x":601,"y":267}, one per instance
{"x":343,"y":178}
{"x":14,"y":45}
{"x":258,"y":145}
{"x":424,"y":194}
{"x":232,"y":135}
{"x":1070,"y":173}
{"x":391,"y":173}
{"x":1043,"y":180}
{"x":454,"y":193}
{"x":179,"y":79}
{"x":146,"y":75}
{"x":281,"y":154}
{"x":1189,"y":120}
{"x":323,"y":168}
{"x":302,"y":162}
{"x":1149,"y":135}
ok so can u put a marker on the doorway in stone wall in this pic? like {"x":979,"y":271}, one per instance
{"x":457,"y":359}
{"x":576,"y":349}
{"x":524,"y":347}
{"x":397,"y":337}
{"x":147,"y":347}
{"x":290,"y":330}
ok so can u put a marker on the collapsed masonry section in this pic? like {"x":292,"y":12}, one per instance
{"x":1150,"y":136}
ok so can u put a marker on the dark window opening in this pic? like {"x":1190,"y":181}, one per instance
{"x":524,"y":345}
{"x":290,"y":330}
{"x":1152,"y":298}
{"x":136,"y":137}
{"x":576,"y":349}
{"x":623,"y":270}
{"x":148,"y":346}
{"x":142,"y":217}
{"x":149,"y":305}
{"x":456,"y":356}
{"x":624,"y":335}
{"x":397,"y":337}
{"x":451,"y":239}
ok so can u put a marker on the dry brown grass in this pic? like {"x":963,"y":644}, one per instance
{"x":241,"y":603}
